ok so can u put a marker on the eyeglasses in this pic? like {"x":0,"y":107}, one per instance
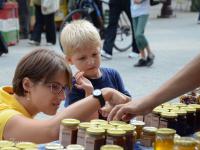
{"x":57,"y":88}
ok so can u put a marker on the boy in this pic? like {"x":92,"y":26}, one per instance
{"x":82,"y":43}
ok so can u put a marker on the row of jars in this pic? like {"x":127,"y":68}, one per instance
{"x":92,"y":135}
{"x":185,"y":119}
{"x":9,"y":145}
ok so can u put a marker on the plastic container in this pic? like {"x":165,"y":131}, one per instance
{"x":164,"y":139}
{"x":68,"y":131}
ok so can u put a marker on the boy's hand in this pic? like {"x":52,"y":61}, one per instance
{"x":83,"y":83}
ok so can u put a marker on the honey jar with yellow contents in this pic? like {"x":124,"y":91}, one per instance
{"x":185,"y":143}
{"x":164,"y":139}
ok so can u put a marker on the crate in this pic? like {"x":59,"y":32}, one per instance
{"x":9,"y":23}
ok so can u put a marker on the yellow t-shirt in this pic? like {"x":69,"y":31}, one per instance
{"x":9,"y":107}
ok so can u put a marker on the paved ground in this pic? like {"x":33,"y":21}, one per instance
{"x":174,"y":41}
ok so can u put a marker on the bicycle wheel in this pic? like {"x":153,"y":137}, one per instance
{"x":74,"y":15}
{"x":123,"y":39}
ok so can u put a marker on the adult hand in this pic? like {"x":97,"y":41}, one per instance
{"x":128,"y":111}
{"x":83,"y":83}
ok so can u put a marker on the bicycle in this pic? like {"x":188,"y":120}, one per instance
{"x":83,"y":10}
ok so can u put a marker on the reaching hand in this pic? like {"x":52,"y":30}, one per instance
{"x":83,"y":83}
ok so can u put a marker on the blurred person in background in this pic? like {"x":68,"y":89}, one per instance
{"x":3,"y":46}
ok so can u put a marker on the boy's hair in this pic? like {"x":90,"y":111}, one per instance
{"x":40,"y":65}
{"x":78,"y":34}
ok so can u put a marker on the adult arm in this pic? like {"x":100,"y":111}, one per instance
{"x":185,"y":80}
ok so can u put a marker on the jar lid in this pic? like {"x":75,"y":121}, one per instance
{"x":197,"y":106}
{"x":5,"y":143}
{"x":176,"y":136}
{"x":95,"y":131}
{"x":75,"y":147}
{"x":138,"y":123}
{"x":9,"y":148}
{"x":70,"y":122}
{"x":116,"y":132}
{"x":117,"y":123}
{"x":169,"y":115}
{"x":166,"y":104}
{"x":52,"y":146}
{"x":180,"y":112}
{"x":197,"y":135}
{"x":185,"y":141}
{"x":127,"y":128}
{"x":24,"y":145}
{"x":157,"y":110}
{"x":150,"y":129}
{"x":98,"y":121}
{"x":179,"y":104}
{"x":189,"y":109}
{"x":106,"y":126}
{"x":158,"y":107}
{"x":165,"y":131}
{"x":111,"y":147}
{"x":84,"y":125}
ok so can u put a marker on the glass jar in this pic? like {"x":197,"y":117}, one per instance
{"x":117,"y":123}
{"x":68,"y":131}
{"x":53,"y":146}
{"x":197,"y":137}
{"x":26,"y":145}
{"x":116,"y":137}
{"x":82,"y":132}
{"x":168,"y":120}
{"x":156,"y":117}
{"x":191,"y":119}
{"x":185,"y":143}
{"x":98,"y":121}
{"x":148,"y":136}
{"x":5,"y":143}
{"x":179,"y":105}
{"x":182,"y":126}
{"x":130,"y":136}
{"x":148,"y":119}
{"x":197,"y":107}
{"x":164,"y":139}
{"x":75,"y":147}
{"x":111,"y":147}
{"x":95,"y":138}
{"x":139,"y":125}
{"x":165,"y":105}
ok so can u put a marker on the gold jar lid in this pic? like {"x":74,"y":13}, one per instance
{"x":196,"y":106}
{"x":138,"y":123}
{"x":157,"y":111}
{"x":116,"y":132}
{"x":185,"y":141}
{"x":95,"y":131}
{"x":151,"y":130}
{"x":158,"y":107}
{"x":106,"y":126}
{"x":166,"y":104}
{"x":128,"y":128}
{"x":179,"y":104}
{"x":165,"y":131}
{"x":189,"y":109}
{"x":98,"y":121}
{"x":70,"y":122}
{"x":25,"y":145}
{"x":117,"y":123}
{"x":9,"y":148}
{"x":5,"y":143}
{"x":52,"y":146}
{"x":180,"y":112}
{"x":84,"y":125}
{"x":75,"y":147}
{"x":111,"y":147}
{"x":169,"y":115}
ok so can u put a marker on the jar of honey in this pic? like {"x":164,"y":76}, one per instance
{"x":148,"y":136}
{"x":168,"y":120}
{"x":98,"y":121}
{"x":95,"y":138}
{"x":191,"y":119}
{"x":82,"y":132}
{"x":111,"y":147}
{"x":197,"y":107}
{"x":130,"y":136}
{"x":116,"y":123}
{"x":5,"y":143}
{"x":139,"y":125}
{"x":116,"y":137}
{"x":164,"y":139}
{"x":185,"y":143}
{"x":68,"y":131}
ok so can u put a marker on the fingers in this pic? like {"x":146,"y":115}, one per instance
{"x":113,"y":112}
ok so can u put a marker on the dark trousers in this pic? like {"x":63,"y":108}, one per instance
{"x":3,"y":46}
{"x":44,"y":23}
{"x":116,"y":7}
{"x":24,"y":18}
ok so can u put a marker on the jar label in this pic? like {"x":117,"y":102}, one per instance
{"x":109,"y":140}
{"x":147,"y":119}
{"x":89,"y":143}
{"x":81,"y":137}
{"x":65,"y":137}
{"x":155,"y":121}
{"x":163,"y":124}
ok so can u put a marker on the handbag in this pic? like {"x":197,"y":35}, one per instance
{"x":49,"y":6}
{"x":154,"y":2}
